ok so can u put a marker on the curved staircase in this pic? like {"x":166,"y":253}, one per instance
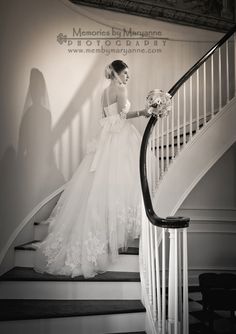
{"x":200,"y":128}
{"x":176,"y":152}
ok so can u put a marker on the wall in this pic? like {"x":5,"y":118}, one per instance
{"x":49,"y":96}
{"x":217,"y":189}
{"x":211,"y":205}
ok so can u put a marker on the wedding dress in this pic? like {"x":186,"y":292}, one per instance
{"x":100,"y":209}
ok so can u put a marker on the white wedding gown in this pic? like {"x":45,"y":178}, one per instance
{"x":100,"y":209}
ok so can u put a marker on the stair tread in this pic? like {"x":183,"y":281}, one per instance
{"x":130,"y":333}
{"x":181,"y":136}
{"x":44,"y":223}
{"x":23,"y":309}
{"x":129,"y":251}
{"x":28,"y":274}
{"x":31,"y":245}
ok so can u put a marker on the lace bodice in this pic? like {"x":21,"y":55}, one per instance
{"x":112,"y":109}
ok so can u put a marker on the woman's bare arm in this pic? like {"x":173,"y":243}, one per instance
{"x":121,"y":101}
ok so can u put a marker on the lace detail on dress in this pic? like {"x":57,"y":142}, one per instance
{"x":125,"y":110}
{"x":95,"y":247}
{"x":130,"y":218}
{"x":73,"y":255}
{"x":53,"y":245}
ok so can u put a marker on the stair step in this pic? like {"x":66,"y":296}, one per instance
{"x":71,"y":316}
{"x":27,"y":284}
{"x":32,"y":245}
{"x":28,"y":274}
{"x":127,"y":261}
{"x":130,"y":333}
{"x":19,"y":309}
{"x":130,"y":251}
{"x":176,"y":137}
{"x":41,"y":231}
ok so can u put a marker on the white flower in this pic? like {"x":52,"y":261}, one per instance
{"x":158,"y":102}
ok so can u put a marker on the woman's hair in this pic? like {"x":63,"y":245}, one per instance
{"x":117,"y":66}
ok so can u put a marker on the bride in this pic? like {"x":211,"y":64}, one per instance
{"x":100,"y":209}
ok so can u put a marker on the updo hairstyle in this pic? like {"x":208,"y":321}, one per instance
{"x":117,"y":66}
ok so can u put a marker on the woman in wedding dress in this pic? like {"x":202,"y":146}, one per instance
{"x":100,"y":209}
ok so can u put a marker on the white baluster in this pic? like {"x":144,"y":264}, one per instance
{"x":149,"y":287}
{"x":171,"y":283}
{"x":70,"y":144}
{"x":172,"y":130}
{"x":167,"y":142}
{"x":146,"y":249}
{"x":157,"y":127}
{"x":204,"y":93}
{"x":163,"y":282}
{"x":198,"y":102}
{"x":155,"y":165}
{"x":220,"y":81}
{"x":149,"y":264}
{"x":153,"y":162}
{"x":152,"y":157}
{"x":176,"y":322}
{"x":158,"y":283}
{"x":153,"y":280}
{"x":185,"y":283}
{"x":173,"y":323}
{"x":227,"y":69}
{"x":178,"y":122}
{"x":180,"y":281}
{"x":143,"y":245}
{"x":162,"y":145}
{"x":184,"y":118}
{"x":190,"y":108}
{"x":212,"y":87}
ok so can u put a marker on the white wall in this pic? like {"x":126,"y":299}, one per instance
{"x":211,"y":205}
{"x":217,"y":189}
{"x":42,"y":144}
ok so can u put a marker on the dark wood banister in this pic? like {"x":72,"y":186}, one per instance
{"x":169,"y":222}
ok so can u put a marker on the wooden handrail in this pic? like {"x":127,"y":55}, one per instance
{"x":169,"y":222}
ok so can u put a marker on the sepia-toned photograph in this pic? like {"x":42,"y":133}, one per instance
{"x":118,"y":167}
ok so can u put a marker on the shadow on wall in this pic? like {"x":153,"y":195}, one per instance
{"x":83,"y":95}
{"x":31,"y":171}
{"x":30,"y":174}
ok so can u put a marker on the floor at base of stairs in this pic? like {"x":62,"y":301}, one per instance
{"x":24,"y":309}
{"x":198,"y":319}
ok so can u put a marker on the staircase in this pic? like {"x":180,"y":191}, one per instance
{"x":198,"y":131}
{"x":43,"y":303}
{"x":176,"y":152}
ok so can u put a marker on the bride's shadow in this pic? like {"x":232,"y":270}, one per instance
{"x":35,"y":156}
{"x":30,"y":173}
{"x":30,"y":170}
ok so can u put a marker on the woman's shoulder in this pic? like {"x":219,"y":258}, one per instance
{"x":121,"y":90}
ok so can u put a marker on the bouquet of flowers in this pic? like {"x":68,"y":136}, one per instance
{"x":158,"y":103}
